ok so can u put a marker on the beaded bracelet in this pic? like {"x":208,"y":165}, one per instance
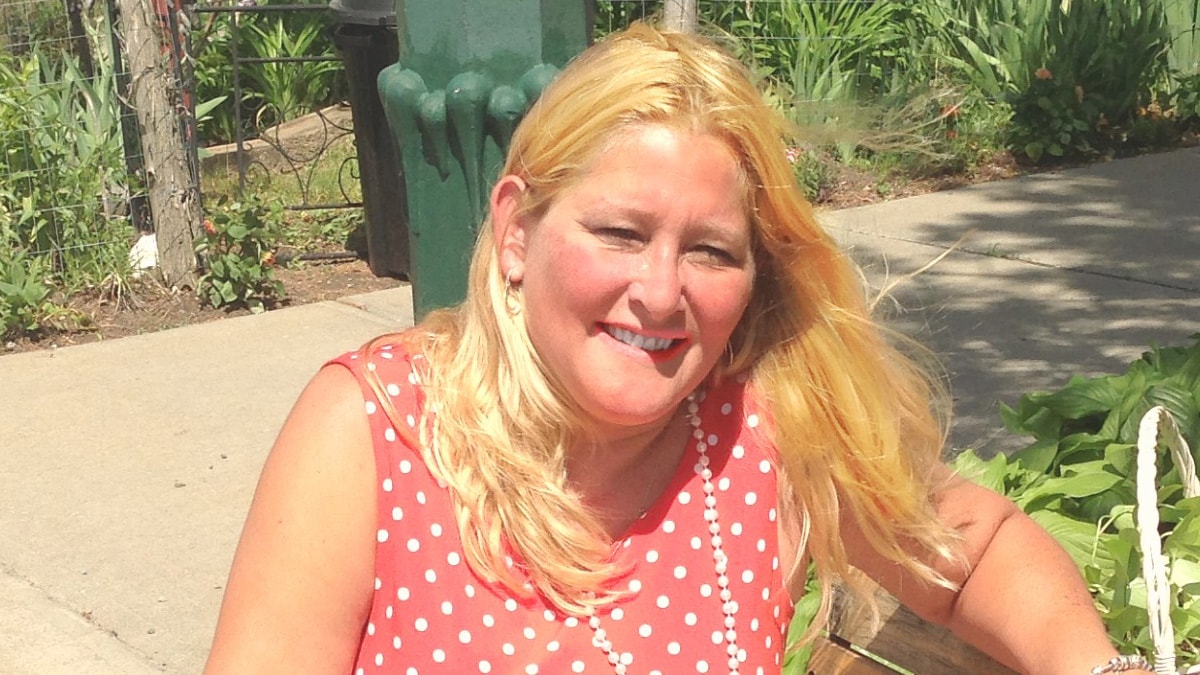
{"x":1120,"y":664}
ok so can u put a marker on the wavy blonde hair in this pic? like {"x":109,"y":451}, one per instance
{"x":850,"y":414}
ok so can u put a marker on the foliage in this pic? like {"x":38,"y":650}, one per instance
{"x":615,"y":15}
{"x":795,"y":662}
{"x":1101,"y":60}
{"x":813,"y":169}
{"x":1183,"y":24}
{"x":1055,"y":117}
{"x":1186,"y":100}
{"x":238,"y":252}
{"x":24,"y":25}
{"x":321,"y":230}
{"x":824,"y":51}
{"x":287,"y":90}
{"x":271,"y":92}
{"x":994,"y":46}
{"x":1077,"y":479}
{"x":1114,"y":49}
{"x":25,"y":301}
{"x":62,"y":167}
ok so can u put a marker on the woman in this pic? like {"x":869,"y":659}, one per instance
{"x":663,"y":397}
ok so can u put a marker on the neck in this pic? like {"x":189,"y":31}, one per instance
{"x":620,"y":477}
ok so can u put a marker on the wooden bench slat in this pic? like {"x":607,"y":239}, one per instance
{"x":901,"y":638}
{"x":832,"y":657}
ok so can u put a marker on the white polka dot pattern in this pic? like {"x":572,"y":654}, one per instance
{"x":431,"y":614}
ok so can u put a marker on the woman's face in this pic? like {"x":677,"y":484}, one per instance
{"x":636,"y":276}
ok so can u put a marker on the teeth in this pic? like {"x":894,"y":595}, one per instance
{"x":632,"y":339}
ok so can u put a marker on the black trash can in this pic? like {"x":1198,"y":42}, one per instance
{"x":365,"y":34}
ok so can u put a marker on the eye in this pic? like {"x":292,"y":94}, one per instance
{"x":716,"y":255}
{"x":618,"y":235}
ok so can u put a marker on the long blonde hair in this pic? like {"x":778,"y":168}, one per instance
{"x":851,"y":415}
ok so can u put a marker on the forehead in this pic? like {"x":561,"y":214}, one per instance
{"x":647,"y":158}
{"x":663,"y":172}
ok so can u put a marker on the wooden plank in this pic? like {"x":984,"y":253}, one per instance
{"x":907,"y":641}
{"x":833,"y":656}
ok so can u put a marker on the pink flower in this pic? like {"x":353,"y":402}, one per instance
{"x":1043,"y":74}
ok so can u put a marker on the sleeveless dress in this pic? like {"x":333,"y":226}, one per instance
{"x":432,"y":614}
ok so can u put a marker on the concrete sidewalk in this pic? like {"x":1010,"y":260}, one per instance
{"x":126,"y":467}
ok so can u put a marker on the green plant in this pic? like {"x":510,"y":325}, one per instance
{"x":238,"y":253}
{"x":1183,"y":23}
{"x":321,"y":230}
{"x":271,"y":92}
{"x":814,"y":170}
{"x":1053,"y":117}
{"x":821,"y":52}
{"x":993,"y":45}
{"x":62,"y":165}
{"x":1077,"y":479}
{"x":1115,"y":50}
{"x":615,"y":15}
{"x":25,"y":302}
{"x":289,"y":89}
{"x":1185,"y":100}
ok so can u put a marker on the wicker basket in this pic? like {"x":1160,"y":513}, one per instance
{"x":1157,"y":426}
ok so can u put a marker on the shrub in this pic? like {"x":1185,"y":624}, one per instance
{"x":238,"y":253}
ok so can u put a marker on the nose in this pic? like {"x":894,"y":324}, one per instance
{"x":657,"y":286}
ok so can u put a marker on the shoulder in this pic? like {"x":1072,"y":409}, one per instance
{"x":303,"y":569}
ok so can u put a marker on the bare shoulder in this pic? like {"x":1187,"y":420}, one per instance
{"x":301,"y":582}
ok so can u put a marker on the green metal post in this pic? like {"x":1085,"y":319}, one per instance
{"x":468,"y":70}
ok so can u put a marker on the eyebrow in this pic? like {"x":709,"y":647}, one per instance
{"x":605,"y":207}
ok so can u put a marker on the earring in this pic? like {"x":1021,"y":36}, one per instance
{"x":512,"y":296}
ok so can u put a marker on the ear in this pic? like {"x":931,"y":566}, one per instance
{"x":508,"y":228}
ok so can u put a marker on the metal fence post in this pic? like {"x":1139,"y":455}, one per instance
{"x":467,"y":72}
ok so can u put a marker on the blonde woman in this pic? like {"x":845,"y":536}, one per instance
{"x":663,"y":397}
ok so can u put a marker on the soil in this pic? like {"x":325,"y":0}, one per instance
{"x":147,"y":306}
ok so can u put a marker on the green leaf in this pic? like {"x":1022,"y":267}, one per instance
{"x":1177,"y":399}
{"x":1079,"y":539}
{"x":1185,"y":575}
{"x":1080,"y":485}
{"x":1122,"y":457}
{"x":1184,"y":539}
{"x":989,"y":474}
{"x":1039,"y":456}
{"x":1083,"y":397}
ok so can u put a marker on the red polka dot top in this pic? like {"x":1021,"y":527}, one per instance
{"x":432,"y":614}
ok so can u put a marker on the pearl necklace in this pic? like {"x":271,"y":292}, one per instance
{"x":621,"y":661}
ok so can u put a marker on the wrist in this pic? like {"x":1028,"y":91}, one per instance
{"x":1123,"y":664}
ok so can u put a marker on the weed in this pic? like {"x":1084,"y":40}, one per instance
{"x":238,"y":251}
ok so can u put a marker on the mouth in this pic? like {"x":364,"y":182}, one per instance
{"x":659,"y":348}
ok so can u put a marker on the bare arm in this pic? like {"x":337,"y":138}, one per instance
{"x":1021,"y":599}
{"x":300,"y":588}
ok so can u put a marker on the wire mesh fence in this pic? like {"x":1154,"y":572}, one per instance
{"x":71,"y":157}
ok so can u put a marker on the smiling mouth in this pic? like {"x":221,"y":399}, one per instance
{"x":650,"y":344}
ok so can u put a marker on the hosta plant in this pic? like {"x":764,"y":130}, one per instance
{"x":1077,"y":479}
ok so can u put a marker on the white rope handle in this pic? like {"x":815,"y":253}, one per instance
{"x":1156,"y":426}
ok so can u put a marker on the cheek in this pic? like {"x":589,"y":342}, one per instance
{"x":723,"y":306}
{"x":570,"y":278}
